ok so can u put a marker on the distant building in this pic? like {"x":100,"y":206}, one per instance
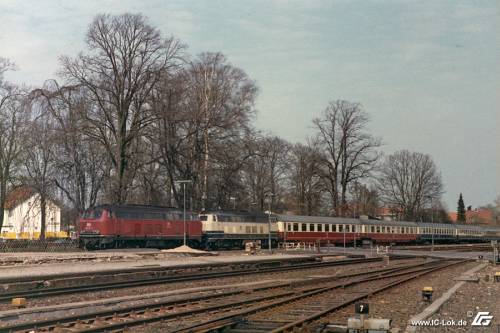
{"x":475,"y":216}
{"x":22,"y":216}
{"x":387,"y":214}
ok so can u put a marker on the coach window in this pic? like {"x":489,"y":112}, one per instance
{"x":295,"y":227}
{"x":289,"y":227}
{"x":304,"y":227}
{"x":378,"y":229}
{"x":341,"y":227}
{"x":311,"y":226}
{"x":327,"y":227}
{"x":319,"y":227}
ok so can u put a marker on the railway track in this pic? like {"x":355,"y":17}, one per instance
{"x":297,"y":312}
{"x":310,"y":295}
{"x":447,"y":247}
{"x":159,"y":277}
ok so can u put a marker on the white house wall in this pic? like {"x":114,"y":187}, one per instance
{"x":24,"y":221}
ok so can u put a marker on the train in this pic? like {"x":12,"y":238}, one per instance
{"x":115,"y":226}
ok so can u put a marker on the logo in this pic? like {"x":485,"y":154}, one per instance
{"x":482,"y":319}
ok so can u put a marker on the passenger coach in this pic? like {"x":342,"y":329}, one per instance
{"x":317,"y":229}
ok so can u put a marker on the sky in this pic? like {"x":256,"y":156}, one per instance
{"x":427,"y":72}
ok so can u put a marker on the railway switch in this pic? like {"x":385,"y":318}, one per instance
{"x":427,"y":293}
{"x":19,"y":302}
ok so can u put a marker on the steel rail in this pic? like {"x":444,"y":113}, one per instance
{"x":45,"y":292}
{"x":318,"y":315}
{"x":157,"y":305}
{"x":231,"y":318}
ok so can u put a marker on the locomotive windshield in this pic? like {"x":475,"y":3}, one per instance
{"x":92,"y":214}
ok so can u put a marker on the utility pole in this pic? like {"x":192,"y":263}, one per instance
{"x":432,"y":221}
{"x":343,"y":229}
{"x":184,"y":182}
{"x":269,"y":221}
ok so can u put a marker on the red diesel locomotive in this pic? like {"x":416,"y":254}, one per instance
{"x":110,"y":226}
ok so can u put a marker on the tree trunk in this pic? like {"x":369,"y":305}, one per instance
{"x":204,"y":195}
{"x":43,"y":213}
{"x":3,"y":193}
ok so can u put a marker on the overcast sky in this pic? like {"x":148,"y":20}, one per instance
{"x":427,"y":72}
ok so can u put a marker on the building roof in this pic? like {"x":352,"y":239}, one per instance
{"x":17,"y":196}
{"x":478,"y":215}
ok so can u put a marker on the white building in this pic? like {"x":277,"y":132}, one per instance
{"x":22,"y":216}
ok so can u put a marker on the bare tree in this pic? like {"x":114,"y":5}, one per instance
{"x":5,"y":65}
{"x":349,"y":151}
{"x":408,"y":182}
{"x":365,"y":200}
{"x":125,"y":60}
{"x":221,"y":99}
{"x":38,"y":162}
{"x":306,"y":182}
{"x":266,"y":171}
{"x":82,"y":165}
{"x":11,"y":126}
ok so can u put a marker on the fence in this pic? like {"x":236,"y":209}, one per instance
{"x":37,"y":245}
{"x":300,"y":246}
